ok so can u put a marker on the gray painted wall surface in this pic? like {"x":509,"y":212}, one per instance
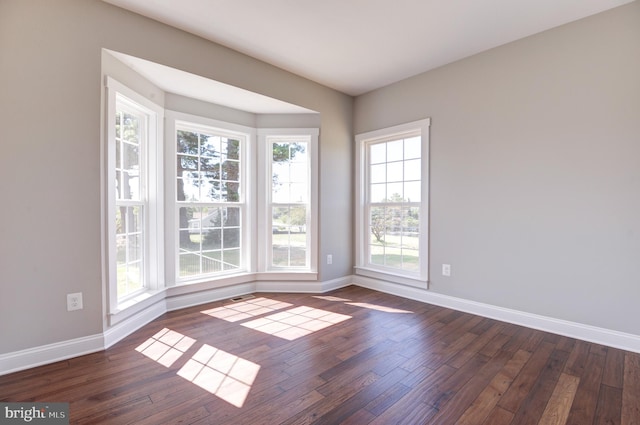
{"x":535,"y":170}
{"x":50,"y":105}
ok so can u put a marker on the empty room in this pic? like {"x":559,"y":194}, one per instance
{"x":330,"y":212}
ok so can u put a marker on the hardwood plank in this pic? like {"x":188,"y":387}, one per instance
{"x":609,"y":410}
{"x":375,"y":398}
{"x":586,"y":399}
{"x":631,"y":390}
{"x":532,"y":407}
{"x":486,"y":401}
{"x":499,"y":416}
{"x":465,"y":353}
{"x":613,"y":374}
{"x":559,"y":405}
{"x":526,"y":379}
{"x":412,"y":401}
{"x":464,"y":396}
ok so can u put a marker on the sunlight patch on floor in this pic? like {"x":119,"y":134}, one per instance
{"x":166,"y":346}
{"x":223,"y":374}
{"x":380,"y":308}
{"x":330,"y":298}
{"x":246,"y":309}
{"x":296,"y":322}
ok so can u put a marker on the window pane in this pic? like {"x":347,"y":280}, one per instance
{"x":394,"y":192}
{"x":378,"y":173}
{"x":231,"y":259}
{"x":298,"y":172}
{"x":395,"y":151}
{"x":231,"y":171}
{"x":187,"y":142}
{"x":211,"y":262}
{"x":209,"y":189}
{"x":394,"y":178}
{"x":189,"y":264}
{"x":211,"y":239}
{"x":289,"y":236}
{"x":131,"y":128}
{"x":230,"y":192}
{"x":412,"y":191}
{"x":412,"y":147}
{"x":411,"y":221}
{"x":232,"y":148}
{"x":188,"y":186}
{"x":394,"y":171}
{"x":378,"y":153}
{"x":187,"y":162}
{"x":232,"y":217}
{"x":231,"y":238}
{"x":189,"y":240}
{"x":211,"y":218}
{"x":412,"y":170}
{"x":280,"y":193}
{"x":378,"y":192}
{"x":210,"y":146}
{"x":131,"y":156}
{"x":129,"y":250}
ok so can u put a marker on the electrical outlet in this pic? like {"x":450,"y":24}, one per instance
{"x":329,"y":259}
{"x":74,"y":301}
{"x":446,"y":270}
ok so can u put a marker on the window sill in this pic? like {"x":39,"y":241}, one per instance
{"x":415,"y":282}
{"x":135,"y":305}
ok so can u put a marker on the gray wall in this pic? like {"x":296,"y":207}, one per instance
{"x":535,"y":170}
{"x":50,"y":89}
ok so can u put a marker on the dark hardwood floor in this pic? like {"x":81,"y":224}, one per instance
{"x":353,"y":356}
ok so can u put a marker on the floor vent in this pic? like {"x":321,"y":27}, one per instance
{"x":242,"y":298}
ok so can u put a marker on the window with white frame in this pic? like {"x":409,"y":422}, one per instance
{"x":221,"y":219}
{"x":133,"y":140}
{"x":290,"y":206}
{"x":392,"y":225}
{"x":210,"y":202}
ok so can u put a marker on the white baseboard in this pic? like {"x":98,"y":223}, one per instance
{"x":45,"y":354}
{"x":132,"y":323}
{"x":611,"y":338}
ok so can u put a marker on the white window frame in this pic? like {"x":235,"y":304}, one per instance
{"x":153,"y":200}
{"x":268,"y":271}
{"x":363,"y":267}
{"x":247,"y":204}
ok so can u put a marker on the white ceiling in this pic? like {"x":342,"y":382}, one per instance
{"x":359,"y":45}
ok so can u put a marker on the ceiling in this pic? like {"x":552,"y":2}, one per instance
{"x":356,"y":46}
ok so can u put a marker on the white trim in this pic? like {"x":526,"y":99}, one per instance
{"x":136,"y":305}
{"x":247,"y":135}
{"x":264,"y":197}
{"x":421,"y":127}
{"x":50,"y":353}
{"x":132,"y":323}
{"x":608,"y":337}
{"x":151,"y":195}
